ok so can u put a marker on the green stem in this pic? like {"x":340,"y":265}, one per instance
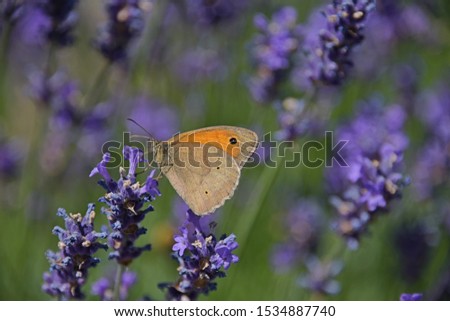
{"x":49,"y":64}
{"x":158,"y":34}
{"x":337,"y":250}
{"x":118,"y":282}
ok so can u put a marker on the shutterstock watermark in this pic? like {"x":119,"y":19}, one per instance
{"x":192,"y":153}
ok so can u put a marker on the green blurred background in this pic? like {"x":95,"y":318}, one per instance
{"x":255,"y":214}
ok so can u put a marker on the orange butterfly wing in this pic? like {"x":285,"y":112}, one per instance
{"x":240,"y":143}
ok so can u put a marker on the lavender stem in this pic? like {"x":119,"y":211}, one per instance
{"x":118,"y":282}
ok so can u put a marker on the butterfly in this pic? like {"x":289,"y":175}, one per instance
{"x":204,"y":165}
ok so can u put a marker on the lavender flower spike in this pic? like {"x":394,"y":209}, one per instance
{"x":210,"y":13}
{"x":201,"y":257}
{"x":303,"y":224}
{"x":50,"y":20}
{"x":273,"y":52}
{"x":78,"y":242}
{"x":125,"y":23}
{"x":10,"y":12}
{"x":103,"y":287}
{"x":373,"y":177}
{"x":320,"y":276}
{"x":328,"y":41}
{"x":126,"y":201}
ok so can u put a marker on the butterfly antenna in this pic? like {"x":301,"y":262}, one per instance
{"x":141,"y":127}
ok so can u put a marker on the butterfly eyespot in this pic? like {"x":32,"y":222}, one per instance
{"x":206,"y":192}
{"x":233,"y":140}
{"x":218,"y":167}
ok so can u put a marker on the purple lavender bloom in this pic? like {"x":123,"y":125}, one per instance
{"x":63,"y":19}
{"x":272,"y":52}
{"x":413,"y":242}
{"x":320,"y":277}
{"x":302,"y":225}
{"x":296,"y":119}
{"x":103,"y":287}
{"x":201,"y":257}
{"x":411,"y":297}
{"x":407,"y":78}
{"x":199,"y":64}
{"x":291,"y":118}
{"x":208,"y":13}
{"x":401,"y":21}
{"x":10,"y":158}
{"x":34,"y":25}
{"x":68,"y":123}
{"x":126,"y":20}
{"x":390,"y":24}
{"x":95,"y":129}
{"x":435,"y":111}
{"x":374,"y":154}
{"x":154,"y":116}
{"x":10,"y":12}
{"x":78,"y":242}
{"x":49,"y":20}
{"x":432,"y":167}
{"x":127,"y":205}
{"x":58,"y":93}
{"x":328,"y":41}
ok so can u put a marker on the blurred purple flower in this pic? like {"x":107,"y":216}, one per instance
{"x":201,"y":257}
{"x":411,"y":297}
{"x":272,"y":52}
{"x":10,"y":158}
{"x":126,"y":21}
{"x":68,"y":123}
{"x":298,"y":118}
{"x":213,"y":12}
{"x":302,"y":226}
{"x":103,"y":287}
{"x":57,"y":93}
{"x":78,"y":242}
{"x":407,"y":77}
{"x":34,"y":26}
{"x":391,"y":23}
{"x":432,"y":167}
{"x":10,"y":12}
{"x":402,"y":20}
{"x":413,"y":242}
{"x":435,"y":112}
{"x":179,"y":209}
{"x":374,"y":154}
{"x":328,"y":41}
{"x":49,"y":20}
{"x":126,"y":199}
{"x":320,"y":277}
{"x":292,"y":120}
{"x":95,"y":129}
{"x":200,"y":64}
{"x":159,"y":119}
